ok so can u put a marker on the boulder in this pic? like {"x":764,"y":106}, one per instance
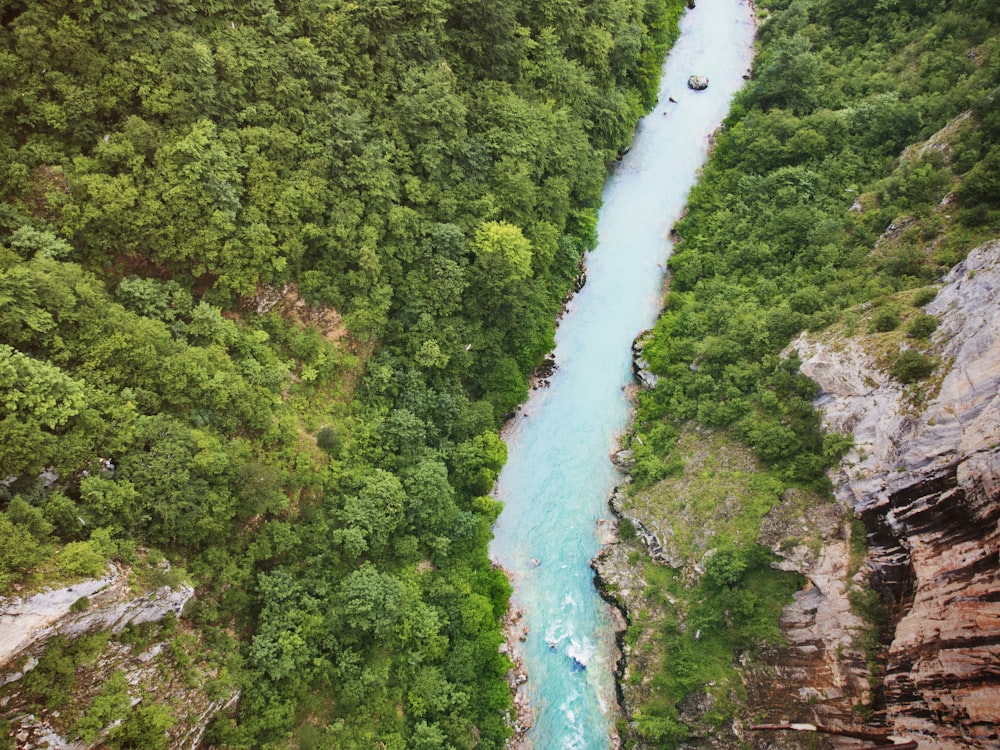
{"x":698,"y":83}
{"x":640,"y":367}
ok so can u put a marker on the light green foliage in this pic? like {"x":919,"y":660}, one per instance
{"x":376,"y":510}
{"x":477,"y":463}
{"x":22,"y":548}
{"x":145,"y":728}
{"x":36,"y":392}
{"x":427,"y":173}
{"x":81,"y":559}
{"x":371,"y":602}
{"x":110,"y":704}
{"x":27,"y":240}
{"x":503,"y":255}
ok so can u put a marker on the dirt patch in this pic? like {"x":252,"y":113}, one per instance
{"x":286,"y":301}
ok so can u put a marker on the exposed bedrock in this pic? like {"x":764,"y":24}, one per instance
{"x":925,"y":478}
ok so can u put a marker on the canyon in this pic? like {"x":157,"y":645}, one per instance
{"x":923,"y":477}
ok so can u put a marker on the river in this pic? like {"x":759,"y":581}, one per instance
{"x":558,"y":475}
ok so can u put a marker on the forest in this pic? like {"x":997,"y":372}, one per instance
{"x":271,"y":276}
{"x":858,"y":165}
{"x":273,"y":273}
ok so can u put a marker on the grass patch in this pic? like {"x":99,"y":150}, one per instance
{"x":693,"y":623}
{"x":719,"y":497}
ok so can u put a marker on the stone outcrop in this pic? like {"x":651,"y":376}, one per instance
{"x":164,"y":665}
{"x":820,"y":675}
{"x":110,"y":605}
{"x":924,"y":475}
{"x":522,"y":716}
{"x":924,"y":478}
{"x":640,"y":367}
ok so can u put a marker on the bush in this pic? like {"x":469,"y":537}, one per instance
{"x":328,"y":439}
{"x":924,"y":296}
{"x":144,"y":729}
{"x":922,"y":326}
{"x":912,"y":366}
{"x":111,"y":704}
{"x":885,"y":320}
{"x":626,"y":529}
{"x":81,"y":559}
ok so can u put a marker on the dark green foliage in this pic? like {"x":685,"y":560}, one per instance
{"x":626,"y":529}
{"x":886,"y":319}
{"x":144,"y":728}
{"x":735,"y":606}
{"x":912,"y":366}
{"x":771,"y":245}
{"x":922,"y":326}
{"x":432,"y":171}
{"x":924,"y":296}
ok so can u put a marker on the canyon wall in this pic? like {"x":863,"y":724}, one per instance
{"x":134,"y":632}
{"x":924,"y":476}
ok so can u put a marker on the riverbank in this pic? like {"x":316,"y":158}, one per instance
{"x":555,"y":484}
{"x":718,"y":660}
{"x":515,"y":632}
{"x":891,"y":631}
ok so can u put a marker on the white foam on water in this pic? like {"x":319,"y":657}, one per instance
{"x":581,"y":649}
{"x":557,"y":632}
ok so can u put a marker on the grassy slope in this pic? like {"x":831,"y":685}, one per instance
{"x":805,"y":145}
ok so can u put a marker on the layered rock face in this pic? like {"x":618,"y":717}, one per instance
{"x":110,"y":606}
{"x":159,"y":667}
{"x":925,"y":478}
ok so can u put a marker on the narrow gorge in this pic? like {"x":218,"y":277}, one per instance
{"x":558,"y":475}
{"x":915,"y":515}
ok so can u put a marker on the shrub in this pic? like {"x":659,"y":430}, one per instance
{"x":145,"y":728}
{"x":328,"y":439}
{"x":912,"y":366}
{"x":111,"y":704}
{"x":922,"y":326}
{"x":886,"y":319}
{"x":626,"y":529}
{"x":81,"y":559}
{"x":924,"y":296}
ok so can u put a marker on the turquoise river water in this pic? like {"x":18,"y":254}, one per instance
{"x":559,"y":475}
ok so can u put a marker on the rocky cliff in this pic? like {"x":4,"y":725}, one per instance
{"x":925,"y":477}
{"x":96,"y":604}
{"x":61,"y":650}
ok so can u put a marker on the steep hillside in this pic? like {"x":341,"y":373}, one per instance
{"x":810,"y":529}
{"x":271,"y":275}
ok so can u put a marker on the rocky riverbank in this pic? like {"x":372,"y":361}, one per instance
{"x":923,"y":478}
{"x":522,"y":719}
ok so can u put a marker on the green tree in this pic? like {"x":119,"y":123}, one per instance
{"x":503,"y":255}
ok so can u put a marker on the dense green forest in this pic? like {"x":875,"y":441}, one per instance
{"x":424,"y":175}
{"x":811,"y":211}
